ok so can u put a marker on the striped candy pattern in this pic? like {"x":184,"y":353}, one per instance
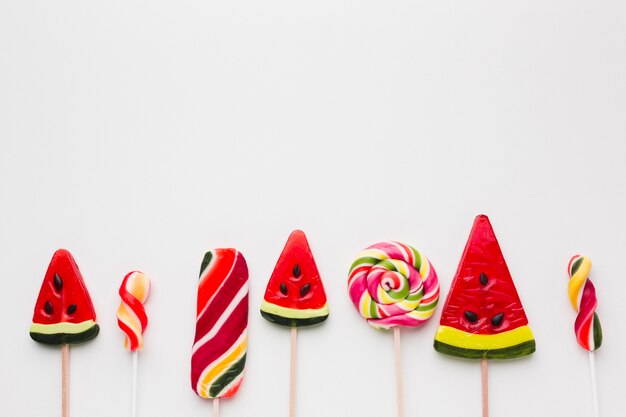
{"x":131,"y":314}
{"x":582,"y":295}
{"x":219,"y":348}
{"x":391,"y":285}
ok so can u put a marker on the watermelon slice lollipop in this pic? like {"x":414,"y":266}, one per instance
{"x":64,"y":313}
{"x":483,"y":317}
{"x":295,"y":296}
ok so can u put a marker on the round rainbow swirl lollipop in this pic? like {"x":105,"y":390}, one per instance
{"x":131,"y":314}
{"x":391,"y":285}
{"x":582,"y":295}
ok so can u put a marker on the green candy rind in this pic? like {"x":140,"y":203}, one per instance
{"x":522,"y":349}
{"x":58,"y":339}
{"x":293,"y":322}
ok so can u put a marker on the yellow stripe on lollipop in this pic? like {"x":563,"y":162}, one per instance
{"x":215,"y":370}
{"x":576,"y":282}
{"x":373,"y":253}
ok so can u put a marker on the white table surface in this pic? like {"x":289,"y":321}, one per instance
{"x":141,"y":134}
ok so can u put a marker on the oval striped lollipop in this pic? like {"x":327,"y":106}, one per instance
{"x":582,"y":295}
{"x":219,"y":348}
{"x":391,"y":285}
{"x":131,"y":314}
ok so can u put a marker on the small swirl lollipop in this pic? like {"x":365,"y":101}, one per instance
{"x":131,"y":314}
{"x":132,"y":319}
{"x":391,"y":285}
{"x":582,"y":295}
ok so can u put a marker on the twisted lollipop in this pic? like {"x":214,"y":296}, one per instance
{"x":132,"y":319}
{"x":582,"y":295}
{"x":131,"y":314}
{"x":391,"y":285}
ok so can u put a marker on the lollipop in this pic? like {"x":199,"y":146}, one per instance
{"x":219,"y":349}
{"x":131,"y":314}
{"x":295,"y":297}
{"x":64,"y":313}
{"x":391,"y":284}
{"x":582,"y":295}
{"x":132,"y":319}
{"x":483,"y":317}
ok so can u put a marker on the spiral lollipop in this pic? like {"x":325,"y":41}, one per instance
{"x":391,"y":285}
{"x":582,"y":295}
{"x":131,"y":314}
{"x":132,"y":319}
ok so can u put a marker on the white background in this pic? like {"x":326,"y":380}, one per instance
{"x":141,"y":134}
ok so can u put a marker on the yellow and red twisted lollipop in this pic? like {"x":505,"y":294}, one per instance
{"x":582,"y":295}
{"x":131,"y":314}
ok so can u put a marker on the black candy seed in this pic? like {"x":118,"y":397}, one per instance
{"x":483,"y":278}
{"x":48,"y":307}
{"x":497,"y":319}
{"x":471,"y":316}
{"x":71,"y":309}
{"x":296,"y":271}
{"x":283,"y":288}
{"x":305,"y":289}
{"x":58,"y":282}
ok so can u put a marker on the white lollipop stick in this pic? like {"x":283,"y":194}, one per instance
{"x":399,"y":396}
{"x":216,"y":407}
{"x":594,"y":387}
{"x":134,"y":356}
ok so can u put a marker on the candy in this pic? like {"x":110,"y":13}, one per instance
{"x":392,"y":284}
{"x":131,"y":314}
{"x":64,"y":313}
{"x":295,"y":295}
{"x":219,"y":349}
{"x":483,"y":316}
{"x":582,"y":295}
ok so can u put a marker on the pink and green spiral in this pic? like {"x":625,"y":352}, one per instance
{"x":391,"y":284}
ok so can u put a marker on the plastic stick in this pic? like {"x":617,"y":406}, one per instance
{"x":398,"y":360}
{"x":594,"y":387}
